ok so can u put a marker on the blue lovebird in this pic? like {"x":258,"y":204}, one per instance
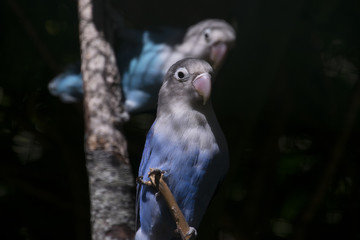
{"x":145,"y":56}
{"x":187,"y":143}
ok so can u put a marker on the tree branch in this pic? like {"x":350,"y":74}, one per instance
{"x":110,"y":176}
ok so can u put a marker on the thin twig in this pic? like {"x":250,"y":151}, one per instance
{"x":157,"y":181}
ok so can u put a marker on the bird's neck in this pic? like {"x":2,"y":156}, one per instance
{"x":189,"y":48}
{"x":181,"y":110}
{"x":193,"y":129}
{"x":185,"y":115}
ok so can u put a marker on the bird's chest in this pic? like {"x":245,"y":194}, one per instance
{"x":186,"y":148}
{"x":189,"y":158}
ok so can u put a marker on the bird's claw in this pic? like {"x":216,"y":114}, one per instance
{"x":190,"y":235}
{"x":141,"y":181}
{"x":155,"y":171}
{"x":155,"y":175}
{"x":192,"y":232}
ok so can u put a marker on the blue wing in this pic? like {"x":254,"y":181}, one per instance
{"x":142,"y":172}
{"x":68,"y":86}
{"x":143,"y":76}
{"x":191,"y":174}
{"x":140,"y":58}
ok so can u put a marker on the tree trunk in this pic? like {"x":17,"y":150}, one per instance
{"x":110,"y":178}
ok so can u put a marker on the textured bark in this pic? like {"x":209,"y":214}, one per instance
{"x":110,"y":177}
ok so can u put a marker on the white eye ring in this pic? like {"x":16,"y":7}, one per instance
{"x":207,"y":33}
{"x":181,"y":73}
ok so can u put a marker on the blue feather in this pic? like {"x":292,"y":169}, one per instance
{"x":143,"y":58}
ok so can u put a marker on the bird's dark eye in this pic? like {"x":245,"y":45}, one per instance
{"x":181,"y":73}
{"x":207,"y":34}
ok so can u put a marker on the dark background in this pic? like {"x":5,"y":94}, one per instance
{"x":287,"y":97}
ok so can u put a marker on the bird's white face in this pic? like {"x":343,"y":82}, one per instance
{"x":219,"y":41}
{"x":187,"y":83}
{"x":210,"y":40}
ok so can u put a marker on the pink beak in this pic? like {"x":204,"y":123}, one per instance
{"x":202,"y":84}
{"x":217,"y":54}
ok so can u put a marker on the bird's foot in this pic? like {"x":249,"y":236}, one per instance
{"x":189,"y":235}
{"x":192,"y":232}
{"x":155,"y":175}
{"x":140,"y":180}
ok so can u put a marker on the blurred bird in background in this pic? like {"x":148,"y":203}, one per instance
{"x":144,"y":57}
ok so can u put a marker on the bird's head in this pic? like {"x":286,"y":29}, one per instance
{"x":187,"y":83}
{"x":210,"y":40}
